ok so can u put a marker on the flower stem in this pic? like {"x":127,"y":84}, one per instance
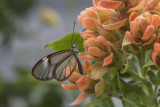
{"x":142,"y":56}
{"x":155,"y":92}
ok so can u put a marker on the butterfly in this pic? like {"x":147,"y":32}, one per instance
{"x":59,"y":65}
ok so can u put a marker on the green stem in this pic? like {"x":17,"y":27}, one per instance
{"x":155,"y":93}
{"x":142,"y":57}
{"x":155,"y":90}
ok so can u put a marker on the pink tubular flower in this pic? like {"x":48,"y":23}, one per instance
{"x":100,"y":51}
{"x":103,"y":21}
{"x":109,"y":4}
{"x":134,"y":5}
{"x":143,"y":28}
{"x":156,"y":52}
{"x":83,"y":83}
{"x":119,"y":5}
{"x":153,"y":5}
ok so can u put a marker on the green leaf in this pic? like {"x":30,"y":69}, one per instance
{"x":153,"y":77}
{"x":101,"y":102}
{"x":125,"y":44}
{"x":145,"y":67}
{"x":111,"y":72}
{"x":129,"y":103}
{"x":126,"y":67}
{"x":65,"y":43}
{"x":158,"y":74}
{"x":100,"y":87}
{"x":132,"y":92}
{"x":128,"y":46}
{"x":112,"y":81}
{"x":133,"y":100}
{"x":131,"y":87}
{"x":138,"y":99}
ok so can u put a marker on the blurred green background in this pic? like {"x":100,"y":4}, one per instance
{"x":25,"y":27}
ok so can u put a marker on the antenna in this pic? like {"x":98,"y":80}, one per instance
{"x":73,"y":32}
{"x":79,"y":36}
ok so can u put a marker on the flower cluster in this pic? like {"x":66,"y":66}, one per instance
{"x":87,"y":85}
{"x":113,"y":22}
{"x":143,"y":28}
{"x":100,"y":51}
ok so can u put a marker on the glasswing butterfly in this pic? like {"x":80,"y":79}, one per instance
{"x":59,"y":65}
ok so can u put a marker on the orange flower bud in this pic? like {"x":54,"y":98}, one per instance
{"x":110,"y":4}
{"x":156,"y":52}
{"x":142,"y":28}
{"x":84,"y":83}
{"x":153,"y":5}
{"x":69,"y":86}
{"x":102,"y":52}
{"x":102,"y":21}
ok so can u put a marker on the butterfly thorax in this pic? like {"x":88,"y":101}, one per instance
{"x":73,"y":48}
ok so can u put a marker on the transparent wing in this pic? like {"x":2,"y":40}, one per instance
{"x":44,"y":68}
{"x":65,"y":68}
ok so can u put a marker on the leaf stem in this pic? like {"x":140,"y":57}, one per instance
{"x":142,"y":56}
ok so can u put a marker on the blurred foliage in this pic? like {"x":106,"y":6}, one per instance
{"x":9,"y":11}
{"x":33,"y":92}
{"x":25,"y":89}
{"x":49,"y":16}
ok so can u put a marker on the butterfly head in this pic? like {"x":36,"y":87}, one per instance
{"x":73,"y":48}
